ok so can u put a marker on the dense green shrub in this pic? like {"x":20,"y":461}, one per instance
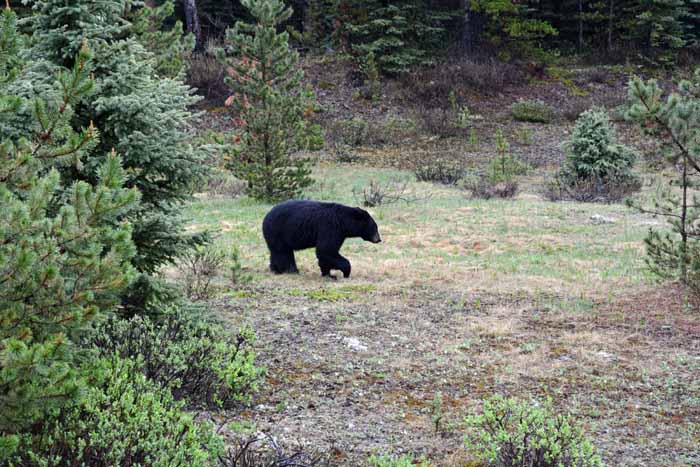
{"x":192,"y":356}
{"x":597,"y":166}
{"x":532,"y":111}
{"x":123,"y":419}
{"x":513,"y":433}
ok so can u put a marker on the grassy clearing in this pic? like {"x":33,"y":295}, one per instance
{"x":446,"y":237}
{"x":523,"y":298}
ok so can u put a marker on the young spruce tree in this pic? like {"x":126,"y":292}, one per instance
{"x":143,"y":115}
{"x":271,"y":104}
{"x":676,"y":124}
{"x":64,"y":253}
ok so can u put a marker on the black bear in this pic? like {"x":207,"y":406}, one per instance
{"x":297,"y":225}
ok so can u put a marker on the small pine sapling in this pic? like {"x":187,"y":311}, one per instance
{"x":271,"y":105}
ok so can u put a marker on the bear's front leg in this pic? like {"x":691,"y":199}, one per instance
{"x":329,"y":258}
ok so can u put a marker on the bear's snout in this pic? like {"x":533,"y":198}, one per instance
{"x":376,"y":239}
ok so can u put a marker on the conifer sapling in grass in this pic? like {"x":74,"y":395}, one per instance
{"x":675,"y":122}
{"x":270,"y":103}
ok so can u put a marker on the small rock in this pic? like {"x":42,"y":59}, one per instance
{"x":355,"y":344}
{"x":598,"y":219}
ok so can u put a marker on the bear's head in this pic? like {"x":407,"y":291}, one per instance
{"x":366,"y":227}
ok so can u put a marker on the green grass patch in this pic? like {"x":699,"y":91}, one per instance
{"x":335,"y":294}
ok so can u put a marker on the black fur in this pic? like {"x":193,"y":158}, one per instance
{"x":298,"y":225}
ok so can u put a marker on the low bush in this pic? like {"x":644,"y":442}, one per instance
{"x":264,"y":451}
{"x":206,"y":74}
{"x":443,"y":171}
{"x":223,"y":183}
{"x":439,"y":121}
{"x":432,"y":86}
{"x":358,"y":132}
{"x":122,"y":419}
{"x":377,"y":193}
{"x":481,"y":187}
{"x":574,"y":107}
{"x":532,"y":111}
{"x":513,"y":433}
{"x":591,"y":190}
{"x":194,"y":358}
{"x":199,"y":267}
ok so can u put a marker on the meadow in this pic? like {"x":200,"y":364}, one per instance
{"x":463,"y":299}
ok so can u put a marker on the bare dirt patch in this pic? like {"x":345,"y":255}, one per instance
{"x":358,"y":376}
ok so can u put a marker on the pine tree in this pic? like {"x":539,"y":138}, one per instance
{"x":513,"y":27}
{"x":143,"y":116}
{"x":270,"y":102}
{"x":658,"y":26}
{"x":64,"y":253}
{"x":400,"y":37}
{"x":169,"y":46}
{"x":676,"y":124}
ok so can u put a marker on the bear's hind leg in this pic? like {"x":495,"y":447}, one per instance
{"x":283,"y":262}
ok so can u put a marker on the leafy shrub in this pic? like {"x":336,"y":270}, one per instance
{"x":532,"y":111}
{"x":392,"y":461}
{"x":510,"y":433}
{"x":194,"y":358}
{"x":597,"y":166}
{"x":123,"y":419}
{"x":444,"y":171}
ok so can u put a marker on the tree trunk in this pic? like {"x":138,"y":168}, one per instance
{"x":192,"y":22}
{"x":610,"y":25}
{"x":472,"y":26}
{"x":580,"y":25}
